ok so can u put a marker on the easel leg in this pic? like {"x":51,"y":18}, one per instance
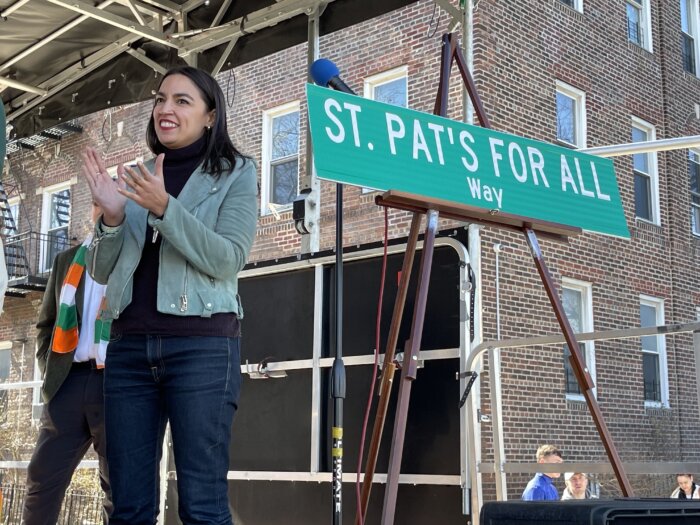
{"x":408,"y":373}
{"x":578,"y":364}
{"x":389,"y":366}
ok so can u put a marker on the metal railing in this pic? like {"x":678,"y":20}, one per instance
{"x":78,"y":508}
{"x":29,"y":256}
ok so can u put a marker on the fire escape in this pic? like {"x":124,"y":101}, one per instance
{"x":29,"y":252}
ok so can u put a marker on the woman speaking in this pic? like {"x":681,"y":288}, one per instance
{"x":173,"y":236}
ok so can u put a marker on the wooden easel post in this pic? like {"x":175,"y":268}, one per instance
{"x":432,"y":208}
{"x":389,"y":365}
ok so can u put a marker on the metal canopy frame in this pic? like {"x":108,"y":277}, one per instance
{"x":61,"y":59}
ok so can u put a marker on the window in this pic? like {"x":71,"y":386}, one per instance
{"x":571,"y":115}
{"x":11,"y":228}
{"x":646,"y":184}
{"x":280,"y":153}
{"x":651,"y":313}
{"x":55,"y":217}
{"x":5,"y":349}
{"x":694,"y":173}
{"x":5,"y":363}
{"x":696,"y":344}
{"x":576,"y":4}
{"x":577,"y":299}
{"x":688,"y":35}
{"x":639,"y":23}
{"x":390,"y":87}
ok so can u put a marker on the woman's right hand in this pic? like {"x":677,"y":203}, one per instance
{"x":103,"y":188}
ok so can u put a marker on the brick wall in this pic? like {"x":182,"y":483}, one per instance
{"x":520,"y":50}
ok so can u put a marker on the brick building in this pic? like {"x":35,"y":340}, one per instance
{"x":576,"y":73}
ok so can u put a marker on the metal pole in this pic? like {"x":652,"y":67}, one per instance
{"x":389,"y":367}
{"x":310,"y":241}
{"x":578,"y":364}
{"x":650,"y":146}
{"x":409,"y":371}
{"x":338,"y":369}
{"x":495,"y":394}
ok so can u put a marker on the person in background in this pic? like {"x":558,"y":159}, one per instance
{"x":576,"y":486}
{"x":173,"y":236}
{"x":71,"y":345}
{"x":541,"y":486}
{"x":687,"y":488}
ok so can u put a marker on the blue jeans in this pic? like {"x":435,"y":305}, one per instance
{"x":192,"y":382}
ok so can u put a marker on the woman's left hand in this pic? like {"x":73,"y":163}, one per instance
{"x":147,"y":189}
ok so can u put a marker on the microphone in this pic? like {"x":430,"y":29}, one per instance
{"x":326,"y":73}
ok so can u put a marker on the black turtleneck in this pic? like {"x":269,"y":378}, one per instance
{"x":142,"y":315}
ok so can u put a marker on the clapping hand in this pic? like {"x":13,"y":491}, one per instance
{"x":146,"y":189}
{"x":106,"y":192}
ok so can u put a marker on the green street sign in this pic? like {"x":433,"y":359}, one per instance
{"x":366,"y":143}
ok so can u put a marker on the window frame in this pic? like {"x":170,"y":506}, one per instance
{"x":587,"y":325}
{"x":575,"y":4}
{"x":658,"y":305}
{"x":14,"y":203}
{"x":374,"y":81}
{"x":5,"y":349}
{"x":268,"y":118}
{"x":694,"y":208}
{"x":580,"y":124}
{"x":652,"y":161}
{"x":47,"y":192}
{"x":644,"y":9}
{"x":693,"y":23}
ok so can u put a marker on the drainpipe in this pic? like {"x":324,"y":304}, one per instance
{"x":472,"y":435}
{"x":499,"y":453}
{"x":468,"y":52}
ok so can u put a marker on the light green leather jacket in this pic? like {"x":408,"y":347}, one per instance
{"x":207,"y":233}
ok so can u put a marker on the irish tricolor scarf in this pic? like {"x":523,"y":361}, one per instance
{"x":65,"y":332}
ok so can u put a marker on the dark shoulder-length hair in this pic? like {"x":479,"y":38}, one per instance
{"x":220,"y":155}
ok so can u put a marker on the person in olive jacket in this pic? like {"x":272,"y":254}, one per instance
{"x":71,"y":345}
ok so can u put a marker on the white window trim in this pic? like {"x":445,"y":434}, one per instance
{"x":696,"y":351}
{"x":5,"y":382}
{"x":374,"y":81}
{"x":650,"y":130}
{"x":112,"y":171}
{"x":579,"y":98}
{"x":7,"y":345}
{"x":15,"y":201}
{"x":692,"y":231}
{"x":268,"y":116}
{"x":578,"y":5}
{"x":46,"y":202}
{"x":644,"y":24}
{"x":658,"y":305}
{"x":45,"y":205}
{"x":694,"y":22}
{"x":586,"y":290}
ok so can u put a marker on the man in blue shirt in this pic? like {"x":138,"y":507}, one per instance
{"x":541,"y":486}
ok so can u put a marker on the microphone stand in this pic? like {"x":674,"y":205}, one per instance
{"x":338,"y":370}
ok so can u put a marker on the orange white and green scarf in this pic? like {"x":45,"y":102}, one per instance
{"x":65,"y":332}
